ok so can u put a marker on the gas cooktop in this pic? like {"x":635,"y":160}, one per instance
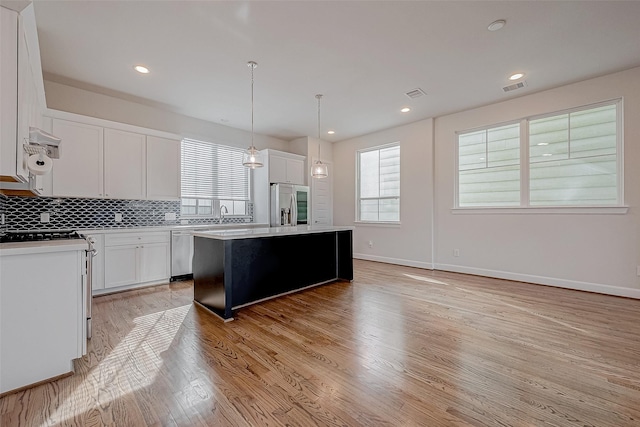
{"x":36,"y":236}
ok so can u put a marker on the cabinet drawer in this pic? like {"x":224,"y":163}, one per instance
{"x":118,"y":239}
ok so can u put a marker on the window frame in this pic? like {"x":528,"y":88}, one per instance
{"x":358,"y":198}
{"x":215,"y":202}
{"x":525,"y":207}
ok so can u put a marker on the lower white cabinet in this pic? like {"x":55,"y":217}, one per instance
{"x":136,"y":258}
{"x":42,"y":317}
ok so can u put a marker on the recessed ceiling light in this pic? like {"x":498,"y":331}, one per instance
{"x":141,"y":69}
{"x":496,"y":25}
{"x":405,"y":110}
{"x":516,"y":76}
{"x":331,"y":132}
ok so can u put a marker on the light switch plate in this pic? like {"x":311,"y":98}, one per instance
{"x":118,"y":217}
{"x":170,"y":216}
{"x":44,"y":217}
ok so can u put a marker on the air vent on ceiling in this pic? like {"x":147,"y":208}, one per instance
{"x":415,"y":93}
{"x":515,"y":86}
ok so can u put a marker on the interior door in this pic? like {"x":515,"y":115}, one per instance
{"x":322,"y":198}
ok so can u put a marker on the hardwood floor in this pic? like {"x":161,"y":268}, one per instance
{"x":398,"y":346}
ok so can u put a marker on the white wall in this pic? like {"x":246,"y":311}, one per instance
{"x":79,"y":101}
{"x":409,"y":243}
{"x":592,"y":252}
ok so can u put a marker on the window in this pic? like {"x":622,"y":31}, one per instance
{"x":212,"y":176}
{"x":563,"y":159}
{"x":378,"y":186}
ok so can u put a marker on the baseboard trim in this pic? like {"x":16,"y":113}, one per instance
{"x":543,"y":280}
{"x":397,"y":261}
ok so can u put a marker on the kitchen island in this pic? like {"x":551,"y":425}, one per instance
{"x":236,"y":268}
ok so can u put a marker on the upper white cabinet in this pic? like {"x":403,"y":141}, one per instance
{"x":20,"y":104}
{"x":124,"y":164}
{"x":79,"y":170}
{"x":163,"y":168}
{"x":9,"y":90}
{"x":104,"y":162}
{"x":285,"y":167}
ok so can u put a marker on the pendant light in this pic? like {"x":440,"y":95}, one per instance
{"x":319,"y":169}
{"x":252,"y":158}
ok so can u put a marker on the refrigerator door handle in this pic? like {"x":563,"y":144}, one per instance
{"x":294,"y":209}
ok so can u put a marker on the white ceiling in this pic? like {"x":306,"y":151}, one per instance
{"x":363,"y":56}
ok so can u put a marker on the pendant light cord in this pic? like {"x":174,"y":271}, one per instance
{"x":252,"y":65}
{"x":319,"y":96}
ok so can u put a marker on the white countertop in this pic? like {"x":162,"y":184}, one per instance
{"x":250,"y":233}
{"x":21,"y":248}
{"x":110,"y":230}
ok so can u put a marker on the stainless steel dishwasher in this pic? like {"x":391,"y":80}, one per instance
{"x":181,"y":254}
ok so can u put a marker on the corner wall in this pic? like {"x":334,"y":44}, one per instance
{"x":410,"y":242}
{"x":593,"y":252}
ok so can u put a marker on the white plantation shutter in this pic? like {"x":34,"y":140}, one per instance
{"x":573,"y":158}
{"x":379,"y":184}
{"x":489,"y":167}
{"x":213,"y":171}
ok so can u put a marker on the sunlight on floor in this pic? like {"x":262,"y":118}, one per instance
{"x":497,"y":301}
{"x":133,"y":364}
{"x":425,"y":279}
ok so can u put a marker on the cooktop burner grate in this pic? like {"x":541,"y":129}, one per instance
{"x":35,"y":236}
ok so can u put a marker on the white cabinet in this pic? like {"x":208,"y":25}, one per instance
{"x":136,"y":258}
{"x":79,"y":170}
{"x":9,"y":90}
{"x":42,"y":316}
{"x":286,"y":169}
{"x":97,"y":265}
{"x":19,"y":101}
{"x":163,"y":168}
{"x":124,"y":164}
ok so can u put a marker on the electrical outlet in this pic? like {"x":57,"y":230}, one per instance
{"x":118,"y":217}
{"x":456,"y":252}
{"x":44,"y":217}
{"x":184,"y":221}
{"x":370,"y":243}
{"x":169,"y":216}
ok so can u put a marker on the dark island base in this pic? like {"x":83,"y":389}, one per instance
{"x":229,"y":274}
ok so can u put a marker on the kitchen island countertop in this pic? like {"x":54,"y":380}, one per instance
{"x":250,"y":233}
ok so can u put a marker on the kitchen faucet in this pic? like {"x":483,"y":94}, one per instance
{"x":222,"y":213}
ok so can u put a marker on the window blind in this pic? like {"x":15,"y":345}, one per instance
{"x":573,"y":159}
{"x":379,"y":184}
{"x":213,"y":171}
{"x":489,"y":167}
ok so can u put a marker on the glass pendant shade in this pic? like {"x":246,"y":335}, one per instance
{"x":252,"y":158}
{"x":319,"y":170}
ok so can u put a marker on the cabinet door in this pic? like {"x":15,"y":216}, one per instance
{"x":124,"y":164}
{"x":9,"y":90}
{"x":163,"y":168}
{"x":277,"y":169}
{"x":295,"y":171}
{"x":78,"y":171}
{"x":97,"y":276}
{"x":154,"y":261}
{"x":120,"y":266}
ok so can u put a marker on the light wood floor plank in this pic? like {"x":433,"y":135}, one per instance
{"x":398,"y":346}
